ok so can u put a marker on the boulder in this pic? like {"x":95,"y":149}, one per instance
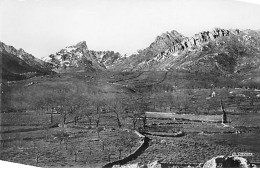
{"x":227,"y":162}
{"x":135,"y":165}
{"x":82,"y":45}
{"x":154,"y":164}
{"x":212,"y":163}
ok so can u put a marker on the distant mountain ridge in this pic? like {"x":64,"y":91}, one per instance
{"x":225,"y":51}
{"x":17,"y":64}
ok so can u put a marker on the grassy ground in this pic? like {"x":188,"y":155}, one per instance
{"x":202,"y":140}
{"x":189,"y":149}
{"x":21,"y":142}
{"x":23,"y":135}
{"x":90,"y":150}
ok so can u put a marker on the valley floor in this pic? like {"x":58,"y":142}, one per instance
{"x":104,"y":130}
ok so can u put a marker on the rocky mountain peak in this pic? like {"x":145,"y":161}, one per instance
{"x":172,"y":35}
{"x":197,"y":40}
{"x":81,"y":45}
{"x":80,"y":57}
{"x":21,"y":51}
{"x":166,"y":40}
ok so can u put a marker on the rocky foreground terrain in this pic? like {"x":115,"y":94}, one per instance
{"x":215,"y":162}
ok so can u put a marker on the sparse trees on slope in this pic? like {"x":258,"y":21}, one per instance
{"x":117,"y":109}
{"x":140,"y":104}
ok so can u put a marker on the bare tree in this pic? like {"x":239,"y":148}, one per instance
{"x":134,"y":117}
{"x":98,"y":103}
{"x":116,"y":108}
{"x":37,"y":151}
{"x":99,"y":129}
{"x":62,"y":135}
{"x":90,"y":117}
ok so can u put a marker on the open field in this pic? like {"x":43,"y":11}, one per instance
{"x":92,"y":150}
{"x":202,"y":140}
{"x":92,"y":113}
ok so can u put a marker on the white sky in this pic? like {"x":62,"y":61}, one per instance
{"x":42,"y":27}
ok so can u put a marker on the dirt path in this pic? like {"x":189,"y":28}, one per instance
{"x":162,"y":80}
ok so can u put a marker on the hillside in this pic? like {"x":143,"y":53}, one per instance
{"x":18,"y":64}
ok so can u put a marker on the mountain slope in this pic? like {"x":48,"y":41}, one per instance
{"x":161,"y":43}
{"x":17,"y":64}
{"x":222,"y":51}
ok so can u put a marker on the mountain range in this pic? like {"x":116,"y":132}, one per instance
{"x":222,"y":51}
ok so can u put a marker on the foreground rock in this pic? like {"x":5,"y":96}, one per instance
{"x":228,"y":162}
{"x":135,"y":165}
{"x":155,"y":164}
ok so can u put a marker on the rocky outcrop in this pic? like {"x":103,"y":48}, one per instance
{"x":81,"y":45}
{"x":166,"y":40}
{"x":196,"y":41}
{"x":227,"y":162}
{"x":205,"y":36}
{"x":107,"y":58}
